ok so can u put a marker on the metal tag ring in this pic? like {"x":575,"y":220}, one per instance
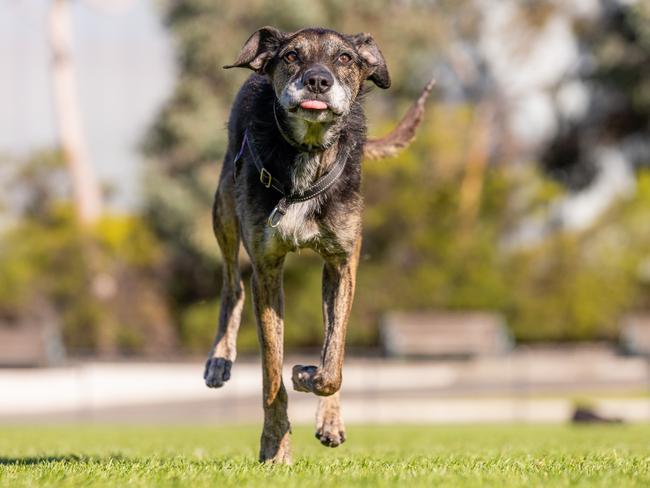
{"x":275,"y":218}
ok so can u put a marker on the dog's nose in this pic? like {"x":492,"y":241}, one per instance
{"x":317,"y":79}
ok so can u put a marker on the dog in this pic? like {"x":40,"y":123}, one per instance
{"x":290,"y":180}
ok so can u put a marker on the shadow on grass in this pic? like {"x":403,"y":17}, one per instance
{"x":70,"y":458}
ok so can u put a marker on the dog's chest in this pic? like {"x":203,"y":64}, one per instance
{"x":299,"y":227}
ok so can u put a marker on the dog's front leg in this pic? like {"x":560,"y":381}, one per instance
{"x":226,"y":230}
{"x":339,"y":275}
{"x":269,"y":303}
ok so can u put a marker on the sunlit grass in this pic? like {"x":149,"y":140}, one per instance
{"x":607,"y":456}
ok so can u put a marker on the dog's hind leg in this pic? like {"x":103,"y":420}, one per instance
{"x":330,"y":430}
{"x":226,"y":229}
{"x":275,"y":445}
{"x":339,"y":276}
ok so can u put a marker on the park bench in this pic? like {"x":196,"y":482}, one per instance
{"x":30,"y":342}
{"x":444,"y":334}
{"x":635,"y":334}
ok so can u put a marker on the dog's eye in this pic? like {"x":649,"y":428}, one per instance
{"x":345,"y":58}
{"x":291,"y":57}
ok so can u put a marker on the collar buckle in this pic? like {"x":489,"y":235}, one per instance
{"x":265,"y":178}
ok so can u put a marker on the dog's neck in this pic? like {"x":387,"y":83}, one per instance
{"x":303,"y":134}
{"x":313,"y":134}
{"x":309,"y":166}
{"x":317,"y":144}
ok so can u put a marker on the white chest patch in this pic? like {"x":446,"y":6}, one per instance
{"x":298,"y":226}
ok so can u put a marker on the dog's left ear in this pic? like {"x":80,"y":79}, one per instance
{"x":373,"y":58}
{"x":259,"y":49}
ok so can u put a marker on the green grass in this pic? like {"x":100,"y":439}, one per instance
{"x":500,"y":456}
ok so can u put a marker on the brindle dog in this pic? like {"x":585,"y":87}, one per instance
{"x":297,"y":122}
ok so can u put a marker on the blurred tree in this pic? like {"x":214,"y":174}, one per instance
{"x":85,"y":187}
{"x":436,"y":215}
{"x":43,"y":254}
{"x":618,"y":79}
{"x":108,"y":299}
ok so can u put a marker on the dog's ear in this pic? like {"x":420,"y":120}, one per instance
{"x":259,"y":49}
{"x":373,"y":59}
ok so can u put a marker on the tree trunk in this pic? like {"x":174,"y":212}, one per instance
{"x":85,"y":187}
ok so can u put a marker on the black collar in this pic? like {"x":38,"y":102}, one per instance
{"x":289,"y":197}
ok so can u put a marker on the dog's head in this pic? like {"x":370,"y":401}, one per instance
{"x":316,"y":73}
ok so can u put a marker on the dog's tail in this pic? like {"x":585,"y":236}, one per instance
{"x":403,"y":134}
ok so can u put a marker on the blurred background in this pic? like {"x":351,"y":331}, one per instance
{"x":505,"y":267}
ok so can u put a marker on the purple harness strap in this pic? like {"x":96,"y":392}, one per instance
{"x":241,"y":149}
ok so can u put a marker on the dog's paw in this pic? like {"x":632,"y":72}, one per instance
{"x":331,"y":432}
{"x":217,"y":372}
{"x":303,"y":378}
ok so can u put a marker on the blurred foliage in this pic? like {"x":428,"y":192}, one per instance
{"x":575,"y":286}
{"x":617,"y":75}
{"x":416,"y":253}
{"x":102,"y":282}
{"x":121,"y":286}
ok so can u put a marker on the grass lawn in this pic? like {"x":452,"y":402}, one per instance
{"x":501,"y":456}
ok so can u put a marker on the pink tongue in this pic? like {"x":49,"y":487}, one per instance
{"x":313,"y":105}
